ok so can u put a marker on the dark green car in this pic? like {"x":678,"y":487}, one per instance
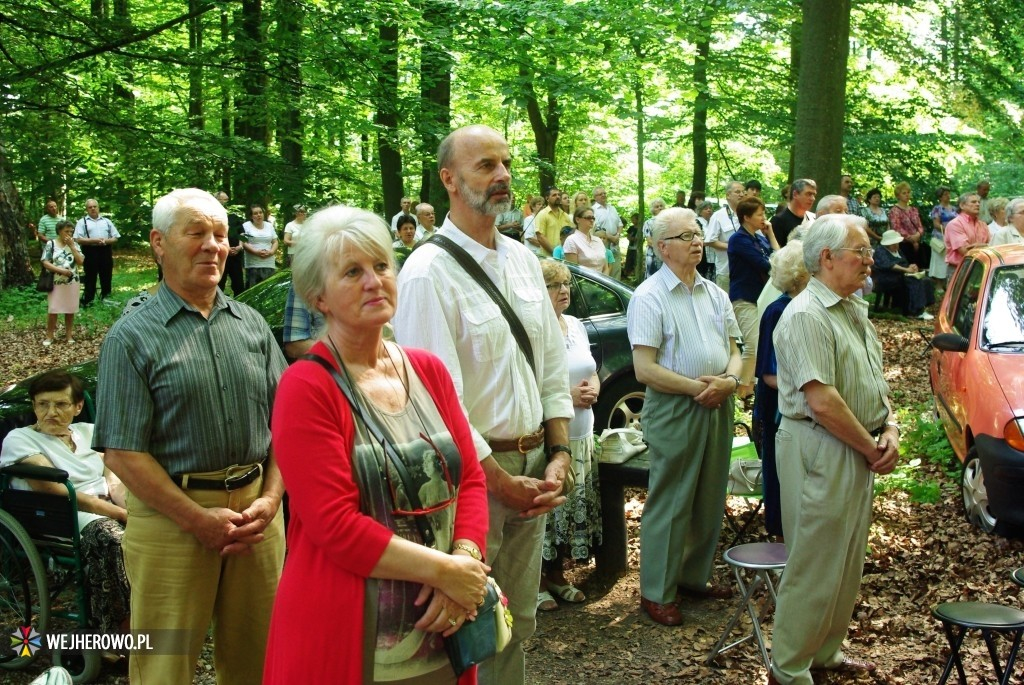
{"x":598,"y":301}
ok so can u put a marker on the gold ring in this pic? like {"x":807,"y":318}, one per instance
{"x":453,"y":622}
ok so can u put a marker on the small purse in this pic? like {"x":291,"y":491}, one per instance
{"x":45,"y":282}
{"x":744,"y":469}
{"x":619,"y":445}
{"x":937,"y":243}
{"x":479,"y":640}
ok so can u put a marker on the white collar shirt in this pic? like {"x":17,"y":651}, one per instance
{"x":442,"y":309}
{"x":721,"y":226}
{"x":690,"y":327}
{"x":606,"y":219}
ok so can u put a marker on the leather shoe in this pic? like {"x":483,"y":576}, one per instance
{"x":851,"y":665}
{"x":712,"y":591}
{"x":665,"y":614}
{"x":771,"y":678}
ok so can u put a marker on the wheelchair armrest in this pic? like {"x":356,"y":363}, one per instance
{"x":34,"y":472}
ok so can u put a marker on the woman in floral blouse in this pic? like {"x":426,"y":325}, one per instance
{"x":62,"y":256}
{"x":904,"y":219}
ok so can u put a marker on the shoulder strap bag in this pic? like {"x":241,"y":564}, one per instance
{"x":476,"y":641}
{"x":484,"y":281}
{"x":45,"y":282}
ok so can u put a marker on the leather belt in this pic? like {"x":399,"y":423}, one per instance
{"x":522,"y":444}
{"x":874,"y":433}
{"x":187,"y":482}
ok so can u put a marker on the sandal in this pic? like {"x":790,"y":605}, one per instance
{"x":545,"y":602}
{"x":569,"y":592}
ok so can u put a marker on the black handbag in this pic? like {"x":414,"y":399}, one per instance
{"x":45,"y":282}
{"x":476,"y":641}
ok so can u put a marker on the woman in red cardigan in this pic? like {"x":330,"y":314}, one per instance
{"x":362,"y":598}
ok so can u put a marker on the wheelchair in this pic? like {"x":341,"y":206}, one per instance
{"x":42,"y":575}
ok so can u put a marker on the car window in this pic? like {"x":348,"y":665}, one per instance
{"x":967,"y":299}
{"x":1004,"y":314}
{"x":599,"y":299}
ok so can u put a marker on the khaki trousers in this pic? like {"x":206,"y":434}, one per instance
{"x":750,"y":328}
{"x":690,"y":448}
{"x":177,"y":584}
{"x":826,"y":491}
{"x":514,"y":554}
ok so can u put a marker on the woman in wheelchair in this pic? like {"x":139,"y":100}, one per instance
{"x":54,"y":441}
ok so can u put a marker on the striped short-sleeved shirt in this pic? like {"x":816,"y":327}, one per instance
{"x":826,"y":338}
{"x":195,"y":393}
{"x":690,"y":328}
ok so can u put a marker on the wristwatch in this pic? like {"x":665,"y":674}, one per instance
{"x":734,"y":377}
{"x":471,"y":551}
{"x":894,"y":425}
{"x":553,"y":449}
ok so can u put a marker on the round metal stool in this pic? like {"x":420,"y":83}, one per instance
{"x":1018,"y":576}
{"x":959,"y":617}
{"x":754,"y":565}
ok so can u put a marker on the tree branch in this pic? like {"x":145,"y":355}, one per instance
{"x":106,"y":47}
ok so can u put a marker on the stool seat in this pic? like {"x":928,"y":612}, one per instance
{"x":980,"y":615}
{"x":757,"y":555}
{"x":1018,"y":576}
{"x":959,"y":617}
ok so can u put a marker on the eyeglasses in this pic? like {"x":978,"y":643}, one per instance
{"x":864,"y":252}
{"x":558,"y":285}
{"x":588,"y":218}
{"x":686,"y":236}
{"x":440,"y":461}
{"x":43,"y":405}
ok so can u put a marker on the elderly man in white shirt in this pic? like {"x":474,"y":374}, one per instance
{"x":683,"y":332}
{"x":721,"y":227}
{"x":519,"y":408}
{"x":608,"y":227}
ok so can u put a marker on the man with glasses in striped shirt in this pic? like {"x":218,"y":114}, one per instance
{"x":683,"y":332}
{"x":837,"y":431}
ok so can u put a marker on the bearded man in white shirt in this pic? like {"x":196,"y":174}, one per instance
{"x":519,"y":408}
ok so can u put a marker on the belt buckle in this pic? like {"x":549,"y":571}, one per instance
{"x":519,"y":443}
{"x":231,"y":480}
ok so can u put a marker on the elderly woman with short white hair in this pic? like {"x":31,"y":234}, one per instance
{"x":375,"y":536}
{"x":789,"y":275}
{"x":1013,"y":232}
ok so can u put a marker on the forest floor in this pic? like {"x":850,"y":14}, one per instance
{"x":919,"y":555}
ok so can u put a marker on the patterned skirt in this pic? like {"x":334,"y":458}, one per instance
{"x":107,"y":584}
{"x":576,"y":525}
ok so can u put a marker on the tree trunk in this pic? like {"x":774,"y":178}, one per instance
{"x":435,"y":120}
{"x":14,"y":261}
{"x":795,"y":38}
{"x":545,"y":132}
{"x":290,"y":132}
{"x":225,"y":104}
{"x":821,"y":94}
{"x":700,"y":117}
{"x":251,"y":182}
{"x":641,"y":132}
{"x":388,"y":149}
{"x":195,"y":71}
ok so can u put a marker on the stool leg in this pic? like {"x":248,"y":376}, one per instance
{"x":756,"y":621}
{"x":993,"y":655}
{"x":955,"y":640}
{"x":747,"y":592}
{"x":1012,"y":657}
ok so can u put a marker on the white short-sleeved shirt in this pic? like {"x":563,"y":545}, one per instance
{"x":690,"y":328}
{"x":721,"y":226}
{"x":84,"y":465}
{"x":590,"y":250}
{"x":260,"y":238}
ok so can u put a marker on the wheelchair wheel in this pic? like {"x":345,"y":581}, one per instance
{"x":83,"y":666}
{"x":24,"y":598}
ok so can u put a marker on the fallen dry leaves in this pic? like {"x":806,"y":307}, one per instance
{"x":919,"y":556}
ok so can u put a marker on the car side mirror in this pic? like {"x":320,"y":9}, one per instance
{"x":950,"y":342}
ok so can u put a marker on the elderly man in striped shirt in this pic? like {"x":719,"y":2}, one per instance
{"x":837,"y":431}
{"x":683,"y":332}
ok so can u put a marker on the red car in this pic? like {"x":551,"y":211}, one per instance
{"x":977,"y":378}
